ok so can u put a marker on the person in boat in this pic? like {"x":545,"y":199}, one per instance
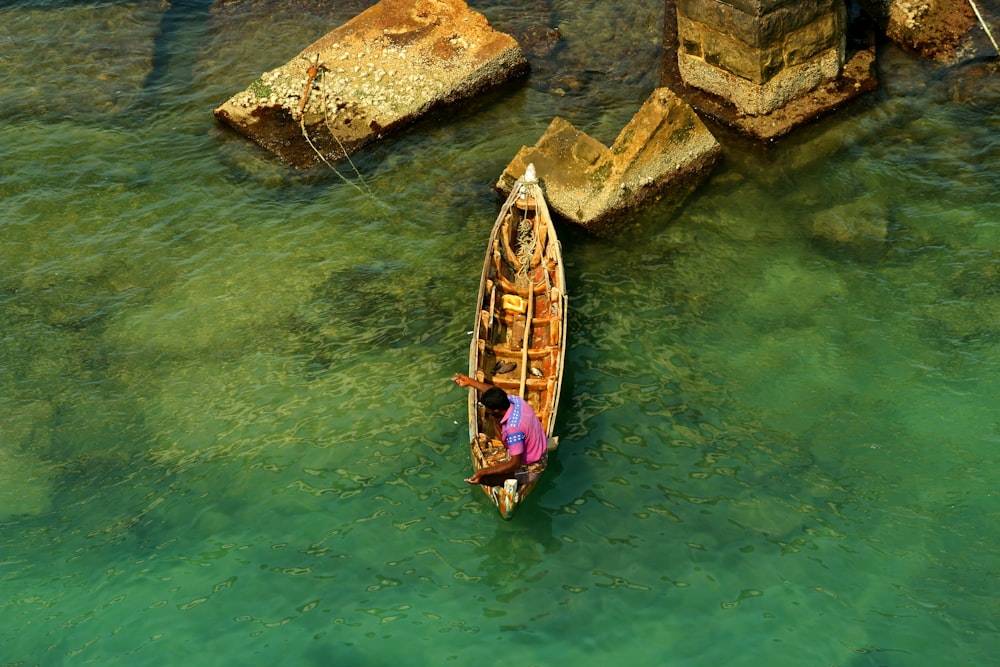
{"x":521,"y":431}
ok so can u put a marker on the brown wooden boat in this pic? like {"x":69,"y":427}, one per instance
{"x":519,"y":337}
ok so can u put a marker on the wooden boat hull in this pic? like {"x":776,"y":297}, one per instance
{"x":519,"y":337}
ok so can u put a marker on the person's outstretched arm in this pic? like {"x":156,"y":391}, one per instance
{"x":466,"y":381}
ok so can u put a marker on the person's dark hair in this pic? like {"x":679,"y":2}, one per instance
{"x":495,"y":399}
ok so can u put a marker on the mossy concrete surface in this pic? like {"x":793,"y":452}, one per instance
{"x":379,"y":72}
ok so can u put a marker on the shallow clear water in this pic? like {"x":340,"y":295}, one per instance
{"x":229,"y":437}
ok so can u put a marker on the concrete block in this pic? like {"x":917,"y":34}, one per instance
{"x":758,"y":7}
{"x":755,"y":99}
{"x":758,"y":65}
{"x":665,"y":151}
{"x":807,"y":42}
{"x":804,"y":90}
{"x":757,"y":46}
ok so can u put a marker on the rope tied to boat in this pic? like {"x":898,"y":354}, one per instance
{"x":526,"y":235}
{"x":525,"y":246}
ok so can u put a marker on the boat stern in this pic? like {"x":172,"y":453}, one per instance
{"x":506,"y":497}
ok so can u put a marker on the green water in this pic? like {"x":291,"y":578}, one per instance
{"x":229,"y":437}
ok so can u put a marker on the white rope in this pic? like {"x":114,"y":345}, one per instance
{"x":982,"y":22}
{"x":367,"y":191}
{"x":326,"y":100}
{"x":525,"y":245}
{"x":325,"y":161}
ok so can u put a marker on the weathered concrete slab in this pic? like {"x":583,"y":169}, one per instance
{"x":664,"y":151}
{"x":376,"y":74}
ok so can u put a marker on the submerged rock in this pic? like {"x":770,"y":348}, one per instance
{"x":860,"y":228}
{"x":26,"y":481}
{"x":976,"y":84}
{"x":379,"y":72}
{"x":58,"y":62}
{"x":665,"y":150}
{"x":540,"y":41}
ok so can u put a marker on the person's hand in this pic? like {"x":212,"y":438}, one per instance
{"x":473,"y":480}
{"x":461,"y":380}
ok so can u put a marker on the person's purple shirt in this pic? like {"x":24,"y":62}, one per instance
{"x":522,"y":431}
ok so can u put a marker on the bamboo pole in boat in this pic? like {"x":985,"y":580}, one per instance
{"x":528,"y":314}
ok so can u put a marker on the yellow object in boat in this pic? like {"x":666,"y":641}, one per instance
{"x":514,"y":303}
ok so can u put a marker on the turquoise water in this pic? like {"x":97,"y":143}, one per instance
{"x":229,"y":437}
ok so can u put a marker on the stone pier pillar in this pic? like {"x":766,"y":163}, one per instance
{"x":765,"y":58}
{"x":760,"y":54}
